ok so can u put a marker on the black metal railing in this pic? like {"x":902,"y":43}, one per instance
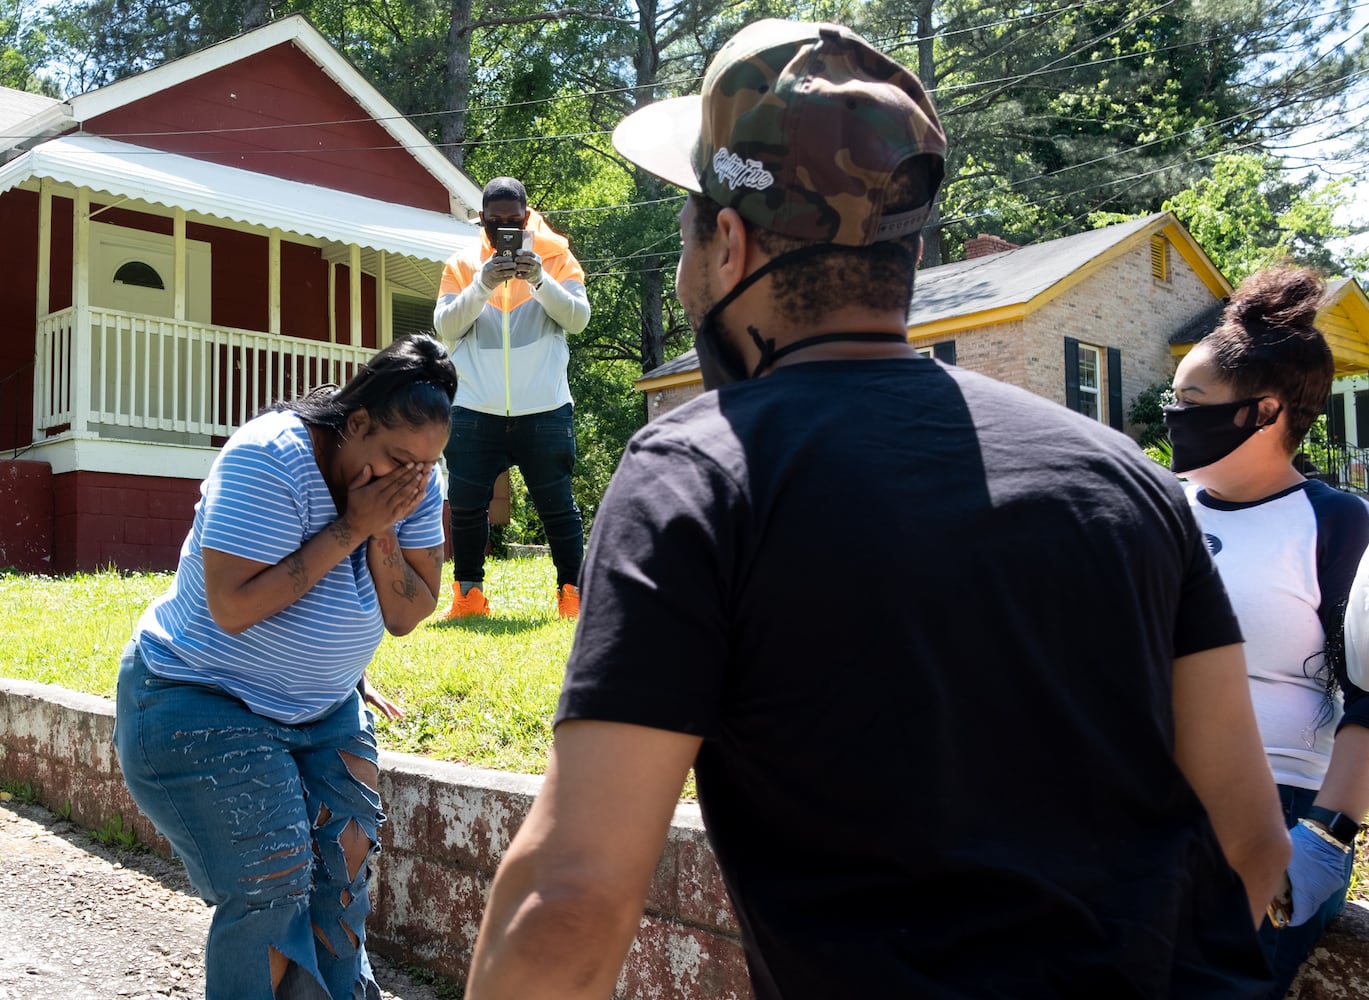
{"x":1344,"y":466}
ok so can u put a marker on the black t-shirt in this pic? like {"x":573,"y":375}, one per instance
{"x":925,"y":624}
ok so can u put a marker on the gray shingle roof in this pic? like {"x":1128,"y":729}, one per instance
{"x":17,"y":106}
{"x":1013,"y":277}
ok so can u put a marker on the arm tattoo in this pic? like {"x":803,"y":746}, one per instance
{"x":342,"y":533}
{"x":294,"y":566}
{"x":407,"y":586}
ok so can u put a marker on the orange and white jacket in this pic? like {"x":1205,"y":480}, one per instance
{"x":509,"y":344}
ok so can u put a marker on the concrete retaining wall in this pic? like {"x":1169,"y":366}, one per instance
{"x":448,"y":828}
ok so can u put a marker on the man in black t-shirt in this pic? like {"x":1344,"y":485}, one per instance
{"x":999,"y":744}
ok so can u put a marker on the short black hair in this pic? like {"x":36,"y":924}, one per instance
{"x":879,"y":275}
{"x":503,"y":189}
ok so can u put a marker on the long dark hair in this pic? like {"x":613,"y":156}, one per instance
{"x":411,"y":383}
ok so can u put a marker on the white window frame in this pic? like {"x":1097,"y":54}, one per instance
{"x":1094,"y":391}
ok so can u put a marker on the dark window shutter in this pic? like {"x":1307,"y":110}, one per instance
{"x":1114,"y":388}
{"x":1072,"y":373}
{"x":944,"y":352}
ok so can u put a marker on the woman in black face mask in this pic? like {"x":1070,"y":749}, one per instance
{"x":1287,"y":548}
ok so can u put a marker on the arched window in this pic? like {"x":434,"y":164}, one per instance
{"x":135,"y":272}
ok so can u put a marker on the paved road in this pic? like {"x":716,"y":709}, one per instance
{"x":80,"y":922}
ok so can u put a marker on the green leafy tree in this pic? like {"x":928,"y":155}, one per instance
{"x":23,"y":47}
{"x":1248,"y":213}
{"x":1060,"y":110}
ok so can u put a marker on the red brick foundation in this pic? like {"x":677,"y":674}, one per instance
{"x":132,"y":522}
{"x":26,"y":516}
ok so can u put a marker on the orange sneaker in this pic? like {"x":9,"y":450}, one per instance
{"x":464,"y":605}
{"x":568,"y":600}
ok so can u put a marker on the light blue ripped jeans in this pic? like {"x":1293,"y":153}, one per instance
{"x":260,"y":811}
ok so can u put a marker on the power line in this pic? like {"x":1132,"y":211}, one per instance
{"x":687,"y":81}
{"x":1052,"y":67}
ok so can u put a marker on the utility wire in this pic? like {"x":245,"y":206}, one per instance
{"x":688,"y":81}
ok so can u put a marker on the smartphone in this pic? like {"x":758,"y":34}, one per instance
{"x":508,"y":242}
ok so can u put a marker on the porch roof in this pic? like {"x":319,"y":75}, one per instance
{"x":222,"y":192}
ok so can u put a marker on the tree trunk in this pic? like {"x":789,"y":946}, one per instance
{"x":452,"y":130}
{"x":926,"y":71}
{"x":256,"y":14}
{"x":650,"y":282}
{"x":650,"y":287}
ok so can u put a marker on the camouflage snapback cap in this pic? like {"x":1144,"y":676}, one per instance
{"x":799,"y":127}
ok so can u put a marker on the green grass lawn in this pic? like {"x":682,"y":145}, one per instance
{"x":480,"y":691}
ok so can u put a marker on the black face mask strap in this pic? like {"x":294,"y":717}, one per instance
{"x":766,"y":346}
{"x":822,"y":338}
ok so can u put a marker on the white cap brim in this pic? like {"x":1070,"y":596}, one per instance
{"x":660,"y":138}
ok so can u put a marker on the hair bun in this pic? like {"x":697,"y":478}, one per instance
{"x":1279,"y":297}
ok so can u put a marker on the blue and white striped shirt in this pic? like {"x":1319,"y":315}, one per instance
{"x":264,"y":498}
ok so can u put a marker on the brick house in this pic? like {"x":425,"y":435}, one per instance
{"x":1085,"y":320}
{"x":184,"y":247}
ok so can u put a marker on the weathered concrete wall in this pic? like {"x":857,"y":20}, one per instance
{"x":448,"y":828}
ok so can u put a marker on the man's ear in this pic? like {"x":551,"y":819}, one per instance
{"x":733,"y":247}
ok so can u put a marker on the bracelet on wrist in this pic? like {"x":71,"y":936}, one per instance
{"x":1344,"y":828}
{"x":1312,"y":825}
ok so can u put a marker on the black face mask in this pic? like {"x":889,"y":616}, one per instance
{"x":491,"y":228}
{"x":721,"y":363}
{"x":1202,"y":435}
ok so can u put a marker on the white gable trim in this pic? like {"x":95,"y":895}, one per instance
{"x":297,"y":30}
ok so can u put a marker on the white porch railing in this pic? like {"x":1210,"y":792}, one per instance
{"x":125,"y":370}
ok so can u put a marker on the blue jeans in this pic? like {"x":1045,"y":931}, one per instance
{"x":259,"y":811}
{"x":542,"y":445}
{"x":1286,"y":948}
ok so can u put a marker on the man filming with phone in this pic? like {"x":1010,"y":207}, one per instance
{"x":505,"y":309}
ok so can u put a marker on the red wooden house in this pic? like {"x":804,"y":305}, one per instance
{"x":180,"y":249}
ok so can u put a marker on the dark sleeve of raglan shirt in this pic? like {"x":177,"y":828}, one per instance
{"x":1342,"y":535}
{"x":651,"y":643}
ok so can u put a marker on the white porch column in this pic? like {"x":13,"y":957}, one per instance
{"x":386,"y":314}
{"x":42,"y":383}
{"x":82,"y":356}
{"x":273,"y":283}
{"x":44,"y":246}
{"x":354,"y":273}
{"x":332,"y":303}
{"x":179,"y":268}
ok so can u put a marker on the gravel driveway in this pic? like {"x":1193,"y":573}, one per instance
{"x":78,"y":921}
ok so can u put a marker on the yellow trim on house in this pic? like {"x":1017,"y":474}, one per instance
{"x":1197,"y":259}
{"x":968,"y":321}
{"x":1344,"y":322}
{"x":668,"y":381}
{"x":1166,"y":225}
